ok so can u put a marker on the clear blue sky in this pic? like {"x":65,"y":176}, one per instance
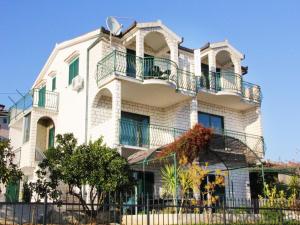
{"x":267,"y":32}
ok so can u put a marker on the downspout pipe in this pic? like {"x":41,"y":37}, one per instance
{"x":87,"y":86}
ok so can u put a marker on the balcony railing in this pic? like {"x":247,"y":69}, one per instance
{"x":229,"y":82}
{"x":146,"y":135}
{"x":39,"y":155}
{"x":145,"y":68}
{"x":35,"y":98}
{"x":17,"y":156}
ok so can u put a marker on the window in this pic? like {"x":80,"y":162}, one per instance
{"x":211,"y":121}
{"x":73,"y":70}
{"x":26,"y":133}
{"x":53,"y":83}
{"x":3,"y":120}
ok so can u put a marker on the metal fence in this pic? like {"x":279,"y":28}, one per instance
{"x":151,"y":211}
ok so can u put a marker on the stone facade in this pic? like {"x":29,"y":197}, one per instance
{"x":95,"y":110}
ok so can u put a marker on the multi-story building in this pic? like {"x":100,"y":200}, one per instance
{"x":140,"y":90}
{"x":3,"y":122}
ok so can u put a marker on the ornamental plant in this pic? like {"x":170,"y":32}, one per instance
{"x":9,"y":171}
{"x":189,"y":146}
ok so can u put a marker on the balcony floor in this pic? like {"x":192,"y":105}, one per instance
{"x":226,"y":99}
{"x":152,"y":93}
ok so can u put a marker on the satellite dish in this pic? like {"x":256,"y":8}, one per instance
{"x":113,"y":25}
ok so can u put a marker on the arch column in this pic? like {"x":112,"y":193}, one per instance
{"x":238,"y":70}
{"x":212,"y":62}
{"x":173,"y":57}
{"x":116,"y":111}
{"x":193,"y":112}
{"x":139,"y":54}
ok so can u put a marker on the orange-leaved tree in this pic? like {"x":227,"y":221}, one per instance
{"x":188,"y":146}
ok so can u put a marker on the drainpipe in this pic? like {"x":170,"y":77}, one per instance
{"x":87,"y":86}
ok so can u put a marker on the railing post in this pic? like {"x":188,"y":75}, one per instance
{"x":224,"y":213}
{"x":148,"y":212}
{"x":115,"y":59}
{"x":281,"y":216}
{"x":45,"y":210}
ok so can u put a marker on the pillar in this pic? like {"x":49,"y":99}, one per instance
{"x":197,"y":67}
{"x":116,"y":110}
{"x":193,"y":112}
{"x":139,"y":54}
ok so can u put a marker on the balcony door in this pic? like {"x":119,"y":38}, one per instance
{"x":42,"y":97}
{"x":150,"y":71}
{"x":51,"y":137}
{"x":130,"y":63}
{"x":134,"y":129}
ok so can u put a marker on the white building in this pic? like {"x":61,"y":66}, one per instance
{"x":140,"y":92}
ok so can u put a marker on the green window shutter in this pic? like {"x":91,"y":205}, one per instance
{"x":70,"y":73}
{"x":51,"y":137}
{"x":76,"y":67}
{"x":53,"y":83}
{"x":73,"y":70}
{"x":42,"y":97}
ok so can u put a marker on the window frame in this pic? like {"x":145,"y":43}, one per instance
{"x":53,"y":81}
{"x":26,"y":128}
{"x":72,"y":76}
{"x":211,"y":115}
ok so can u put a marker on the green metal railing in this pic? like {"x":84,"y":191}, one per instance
{"x":221,"y":81}
{"x":230,"y":82}
{"x":145,"y":68}
{"x":34,"y":98}
{"x":251,"y":92}
{"x":133,"y":133}
{"x":186,"y":81}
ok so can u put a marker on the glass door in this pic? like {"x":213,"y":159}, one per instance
{"x":135,"y":129}
{"x":131,"y":63}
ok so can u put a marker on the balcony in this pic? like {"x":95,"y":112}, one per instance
{"x":229,"y":83}
{"x":37,"y":98}
{"x":153,"y":70}
{"x":143,"y":135}
{"x":147,"y":69}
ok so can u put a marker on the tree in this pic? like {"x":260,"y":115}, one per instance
{"x":189,"y":145}
{"x":9,"y":171}
{"x":93,"y":164}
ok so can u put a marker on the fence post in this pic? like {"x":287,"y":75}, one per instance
{"x":148,"y":213}
{"x":45,"y":211}
{"x":224,"y":213}
{"x":281,"y":215}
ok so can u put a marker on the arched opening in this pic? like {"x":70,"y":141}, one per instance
{"x":102,"y":107}
{"x":226,"y":79}
{"x":45,"y":137}
{"x":157,"y":62}
{"x":223,"y":61}
{"x":101,"y":116}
